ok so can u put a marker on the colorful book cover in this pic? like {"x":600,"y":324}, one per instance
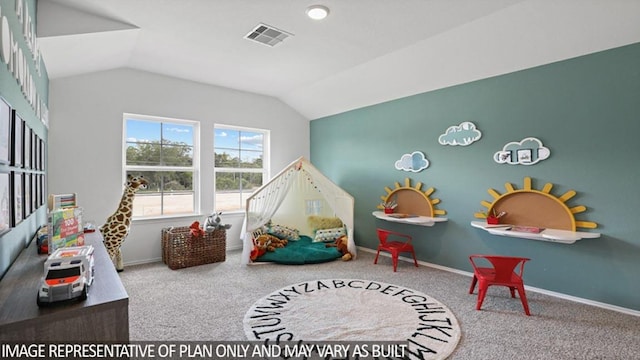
{"x":527,"y":229}
{"x":65,"y":228}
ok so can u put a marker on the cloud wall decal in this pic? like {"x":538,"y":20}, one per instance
{"x":462,"y":135}
{"x":413,"y":162}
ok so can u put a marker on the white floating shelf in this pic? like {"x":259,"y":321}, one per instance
{"x":413,"y":220}
{"x":552,"y":235}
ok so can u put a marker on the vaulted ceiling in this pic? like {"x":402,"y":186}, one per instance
{"x":365,"y":52}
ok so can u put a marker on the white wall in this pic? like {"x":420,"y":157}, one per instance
{"x":85,"y":140}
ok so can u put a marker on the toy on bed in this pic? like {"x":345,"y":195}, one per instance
{"x":341,"y":245}
{"x":264,"y":242}
{"x":285,"y":245}
{"x":270,"y":242}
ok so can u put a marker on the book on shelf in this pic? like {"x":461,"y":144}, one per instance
{"x":491,"y":226}
{"x":527,"y":229}
{"x":401,"y":216}
{"x":65,"y":228}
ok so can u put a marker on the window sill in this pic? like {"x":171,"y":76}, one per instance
{"x":164,"y":218}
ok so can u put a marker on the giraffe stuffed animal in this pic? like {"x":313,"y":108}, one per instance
{"x":116,"y":228}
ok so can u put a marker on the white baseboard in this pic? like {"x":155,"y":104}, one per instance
{"x":153,"y":260}
{"x":528,"y":288}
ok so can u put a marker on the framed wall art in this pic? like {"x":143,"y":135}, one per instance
{"x":34,"y":150}
{"x":18,"y":198}
{"x":27,"y":194}
{"x":27,"y":147}
{"x":17,"y":135}
{"x":42,"y":155}
{"x":524,"y":156}
{"x":35,"y":192}
{"x":42,"y":190}
{"x":5,"y":203}
{"x":5,"y":132}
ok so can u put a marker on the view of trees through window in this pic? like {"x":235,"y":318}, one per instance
{"x":162,"y":152}
{"x":239,"y":166}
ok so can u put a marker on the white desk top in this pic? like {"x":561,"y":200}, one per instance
{"x":553,"y":235}
{"x":414,"y":220}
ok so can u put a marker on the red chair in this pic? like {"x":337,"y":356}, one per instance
{"x":394,"y":247}
{"x":505,"y":271}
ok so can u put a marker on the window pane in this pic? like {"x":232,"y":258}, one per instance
{"x":251,"y":140}
{"x":233,"y":189}
{"x":157,"y":144}
{"x":227,"y":181}
{"x":237,"y":149}
{"x":227,"y":158}
{"x":228,"y":194}
{"x":177,"y":155}
{"x":251,"y":159}
{"x":177,"y":134}
{"x":251,"y":181}
{"x":143,"y":154}
{"x":178,"y":203}
{"x":147,"y":204}
{"x":154,"y":180}
{"x":177,"y":181}
{"x":226,"y":148}
{"x":226,"y":139}
{"x":143,"y":131}
{"x":168,"y":193}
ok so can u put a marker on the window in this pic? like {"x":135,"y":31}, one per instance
{"x":241,"y":163}
{"x":164,"y":151}
{"x":314,"y":207}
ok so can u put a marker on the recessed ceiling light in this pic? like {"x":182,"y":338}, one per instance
{"x":317,"y":12}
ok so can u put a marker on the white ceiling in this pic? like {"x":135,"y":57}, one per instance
{"x":365,"y":52}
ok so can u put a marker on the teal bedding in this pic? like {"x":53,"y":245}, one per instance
{"x":299,"y":252}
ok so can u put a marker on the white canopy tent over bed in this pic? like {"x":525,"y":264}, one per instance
{"x":290,"y":197}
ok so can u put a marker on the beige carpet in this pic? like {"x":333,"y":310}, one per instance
{"x":209,"y":302}
{"x":331,"y":310}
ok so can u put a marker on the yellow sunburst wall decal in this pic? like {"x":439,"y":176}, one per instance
{"x":532,"y":207}
{"x":412,"y":199}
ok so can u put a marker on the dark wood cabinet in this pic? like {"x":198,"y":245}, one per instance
{"x":103,"y":316}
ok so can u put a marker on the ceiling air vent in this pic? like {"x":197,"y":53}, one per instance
{"x":267,"y":35}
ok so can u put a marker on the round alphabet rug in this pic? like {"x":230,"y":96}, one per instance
{"x":355,"y":312}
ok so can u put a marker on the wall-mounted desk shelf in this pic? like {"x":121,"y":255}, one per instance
{"x":553,"y":235}
{"x":411,"y":200}
{"x":415,"y":220}
{"x":533,"y":208}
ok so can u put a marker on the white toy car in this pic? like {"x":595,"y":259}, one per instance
{"x":68,"y":274}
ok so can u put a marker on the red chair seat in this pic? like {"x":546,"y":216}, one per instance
{"x":504,"y":271}
{"x":394,"y":247}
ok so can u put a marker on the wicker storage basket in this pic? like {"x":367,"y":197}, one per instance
{"x":180,"y":249}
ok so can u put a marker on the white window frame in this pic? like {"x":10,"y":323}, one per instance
{"x":266,"y":159}
{"x":194,"y":168}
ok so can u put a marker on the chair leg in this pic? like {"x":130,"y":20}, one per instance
{"x":474,"y":281}
{"x":415,"y":261}
{"x":512,"y":290}
{"x":394,"y":257}
{"x":375,"y":261}
{"x":523,"y":299}
{"x":482,"y":292}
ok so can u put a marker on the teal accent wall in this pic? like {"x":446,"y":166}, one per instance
{"x":13,"y":242}
{"x":586,"y":110}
